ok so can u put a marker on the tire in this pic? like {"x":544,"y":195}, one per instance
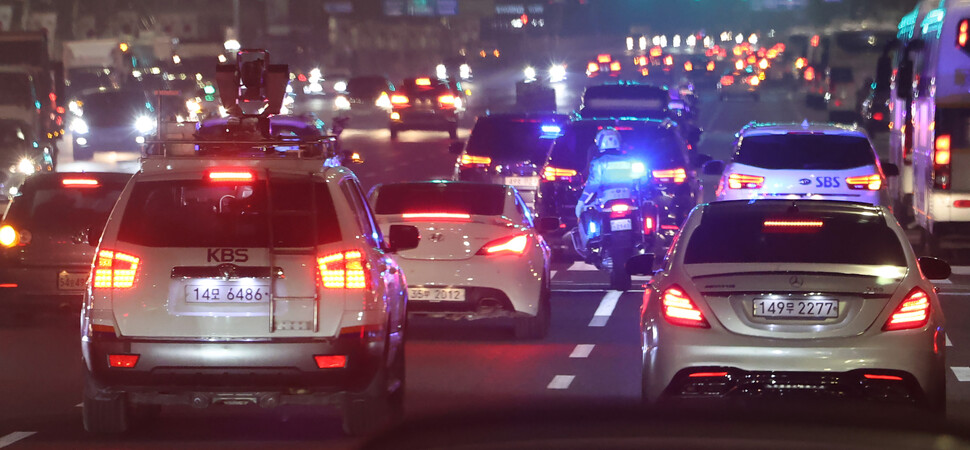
{"x":453,"y":132}
{"x":620,"y":279}
{"x":83,"y":154}
{"x":376,"y":408}
{"x":104,"y":416}
{"x":394,"y":132}
{"x":536,"y":327}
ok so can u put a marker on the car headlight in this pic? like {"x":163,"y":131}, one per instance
{"x":27,"y":166}
{"x":341,"y":102}
{"x":530,"y":73}
{"x":144,"y":124}
{"x":340,"y":86}
{"x":557,"y":73}
{"x":384,"y":101}
{"x":79,"y":126}
{"x":638,"y":169}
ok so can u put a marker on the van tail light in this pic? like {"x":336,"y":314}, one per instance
{"x":680,"y":310}
{"x":512,"y":245}
{"x":398,"y":99}
{"x":866,"y":182}
{"x":343,"y":270}
{"x":472,"y":160}
{"x":741,"y":181}
{"x":727,"y":80}
{"x":913,"y":312}
{"x":115,"y":270}
{"x":553,"y":173}
{"x":676,"y":176}
{"x":446,"y":100}
{"x":9,"y":236}
{"x":941,"y":162}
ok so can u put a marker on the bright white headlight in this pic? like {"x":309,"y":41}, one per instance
{"x":26,"y":166}
{"x":340,"y":86}
{"x":341,"y":102}
{"x":637,"y":169}
{"x":79,"y":126}
{"x":144,"y":124}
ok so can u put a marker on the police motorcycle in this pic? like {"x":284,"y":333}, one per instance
{"x":622,"y":220}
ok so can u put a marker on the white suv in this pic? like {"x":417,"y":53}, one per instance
{"x":234,"y":280}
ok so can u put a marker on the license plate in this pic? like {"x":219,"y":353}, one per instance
{"x":612,"y":194}
{"x":621,"y":224}
{"x":522,"y":181}
{"x":71,"y":281}
{"x":437,"y":294}
{"x":226,"y":293}
{"x":796,"y":309}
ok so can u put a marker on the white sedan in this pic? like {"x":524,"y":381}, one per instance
{"x":480,"y":255}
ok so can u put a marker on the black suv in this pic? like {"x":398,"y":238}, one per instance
{"x":625,"y":99}
{"x":426,"y":104}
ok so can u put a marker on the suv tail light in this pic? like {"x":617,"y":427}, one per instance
{"x":676,"y":176}
{"x":115,"y":270}
{"x":679,"y":309}
{"x":398,"y":99}
{"x":343,"y":270}
{"x":552,"y":173}
{"x":79,"y":182}
{"x":472,"y":160}
{"x":233,"y":175}
{"x":941,"y":162}
{"x":512,"y":245}
{"x":9,"y":236}
{"x":913,"y":312}
{"x":446,"y":100}
{"x":741,"y":181}
{"x":866,"y":182}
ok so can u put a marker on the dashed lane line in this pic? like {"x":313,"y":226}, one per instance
{"x":14,"y":437}
{"x":948,"y":343}
{"x":582,"y":267}
{"x":962,"y":373}
{"x":552,"y":274}
{"x":561,"y":382}
{"x":582,"y":351}
{"x":605,"y":309}
{"x":960,"y":270}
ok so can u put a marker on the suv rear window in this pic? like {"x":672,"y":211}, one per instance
{"x":54,"y":209}
{"x":736,"y":235}
{"x":196,"y":213}
{"x":475,"y":199}
{"x":805,"y":151}
{"x":509,"y":139}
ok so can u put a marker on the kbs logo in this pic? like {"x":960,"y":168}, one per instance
{"x":227,"y":255}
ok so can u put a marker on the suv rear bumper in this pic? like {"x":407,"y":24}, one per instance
{"x":177,"y":369}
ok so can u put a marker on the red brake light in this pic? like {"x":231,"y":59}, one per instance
{"x":592,"y":67}
{"x":677,"y":176}
{"x":688,"y":66}
{"x":942,"y":155}
{"x":551,"y":173}
{"x":122,"y":361}
{"x":472,"y":160}
{"x":741,"y":181}
{"x":791,"y":225}
{"x":603,"y":58}
{"x":648,"y":225}
{"x":514,"y":245}
{"x":873,"y":376}
{"x":707,"y":374}
{"x":398,"y":99}
{"x":727,"y":80}
{"x":423,"y":81}
{"x":615,"y":66}
{"x":447,"y":99}
{"x":871,"y":182}
{"x":9,"y":236}
{"x":912,"y":312}
{"x":668,"y":60}
{"x":679,"y":309}
{"x":436,"y":216}
{"x":810,"y":74}
{"x":619,"y":209}
{"x":710,"y":66}
{"x":79,"y":182}
{"x":344,"y":270}
{"x":115,"y":270}
{"x":877,"y":116}
{"x":330,"y":361}
{"x":963,"y":32}
{"x":230,"y":175}
{"x":656,"y":51}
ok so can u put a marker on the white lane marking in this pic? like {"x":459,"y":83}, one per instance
{"x":605,"y":309}
{"x":552,"y":274}
{"x":14,"y":437}
{"x":948,"y":343}
{"x":582,"y":266}
{"x":583,"y":291}
{"x":947,"y":281}
{"x":561,"y":382}
{"x":79,"y":405}
{"x":962,"y":373}
{"x":960,"y":270}
{"x":582,"y":351}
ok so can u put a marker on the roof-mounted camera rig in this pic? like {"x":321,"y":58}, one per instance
{"x":251,"y":90}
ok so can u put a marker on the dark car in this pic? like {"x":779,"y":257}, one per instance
{"x":663,"y":149}
{"x":426,"y":104}
{"x":366,"y":98}
{"x":22,"y":154}
{"x":48,"y":237}
{"x":509,"y":149}
{"x":625,"y":100}
{"x":114,"y":120}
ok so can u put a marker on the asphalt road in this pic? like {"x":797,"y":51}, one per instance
{"x":590,"y":358}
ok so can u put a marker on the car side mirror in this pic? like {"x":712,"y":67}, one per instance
{"x":699,"y":159}
{"x":547,"y":224}
{"x":640,"y":264}
{"x":403,"y":237}
{"x":713,"y":167}
{"x":933,"y":268}
{"x":889,"y":169}
{"x":456,"y":147}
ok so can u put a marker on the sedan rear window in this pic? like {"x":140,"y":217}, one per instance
{"x":805,"y":151}
{"x":470,"y":198}
{"x":195,"y":213}
{"x":54,"y":209}
{"x":737,"y":235}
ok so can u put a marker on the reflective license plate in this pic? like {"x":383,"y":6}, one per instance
{"x":437,"y":294}
{"x":71,"y":281}
{"x":796,"y":309}
{"x":522,"y":181}
{"x":621,"y":224}
{"x":226,"y":293}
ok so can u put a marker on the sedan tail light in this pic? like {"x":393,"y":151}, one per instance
{"x":447,"y":100}
{"x":741,"y":181}
{"x":115,"y":270}
{"x":512,"y":245}
{"x":676,"y":176}
{"x":913,"y":312}
{"x":679,"y":309}
{"x":866,"y":182}
{"x":398,"y":99}
{"x":343,"y":270}
{"x":553,"y":173}
{"x":472,"y":160}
